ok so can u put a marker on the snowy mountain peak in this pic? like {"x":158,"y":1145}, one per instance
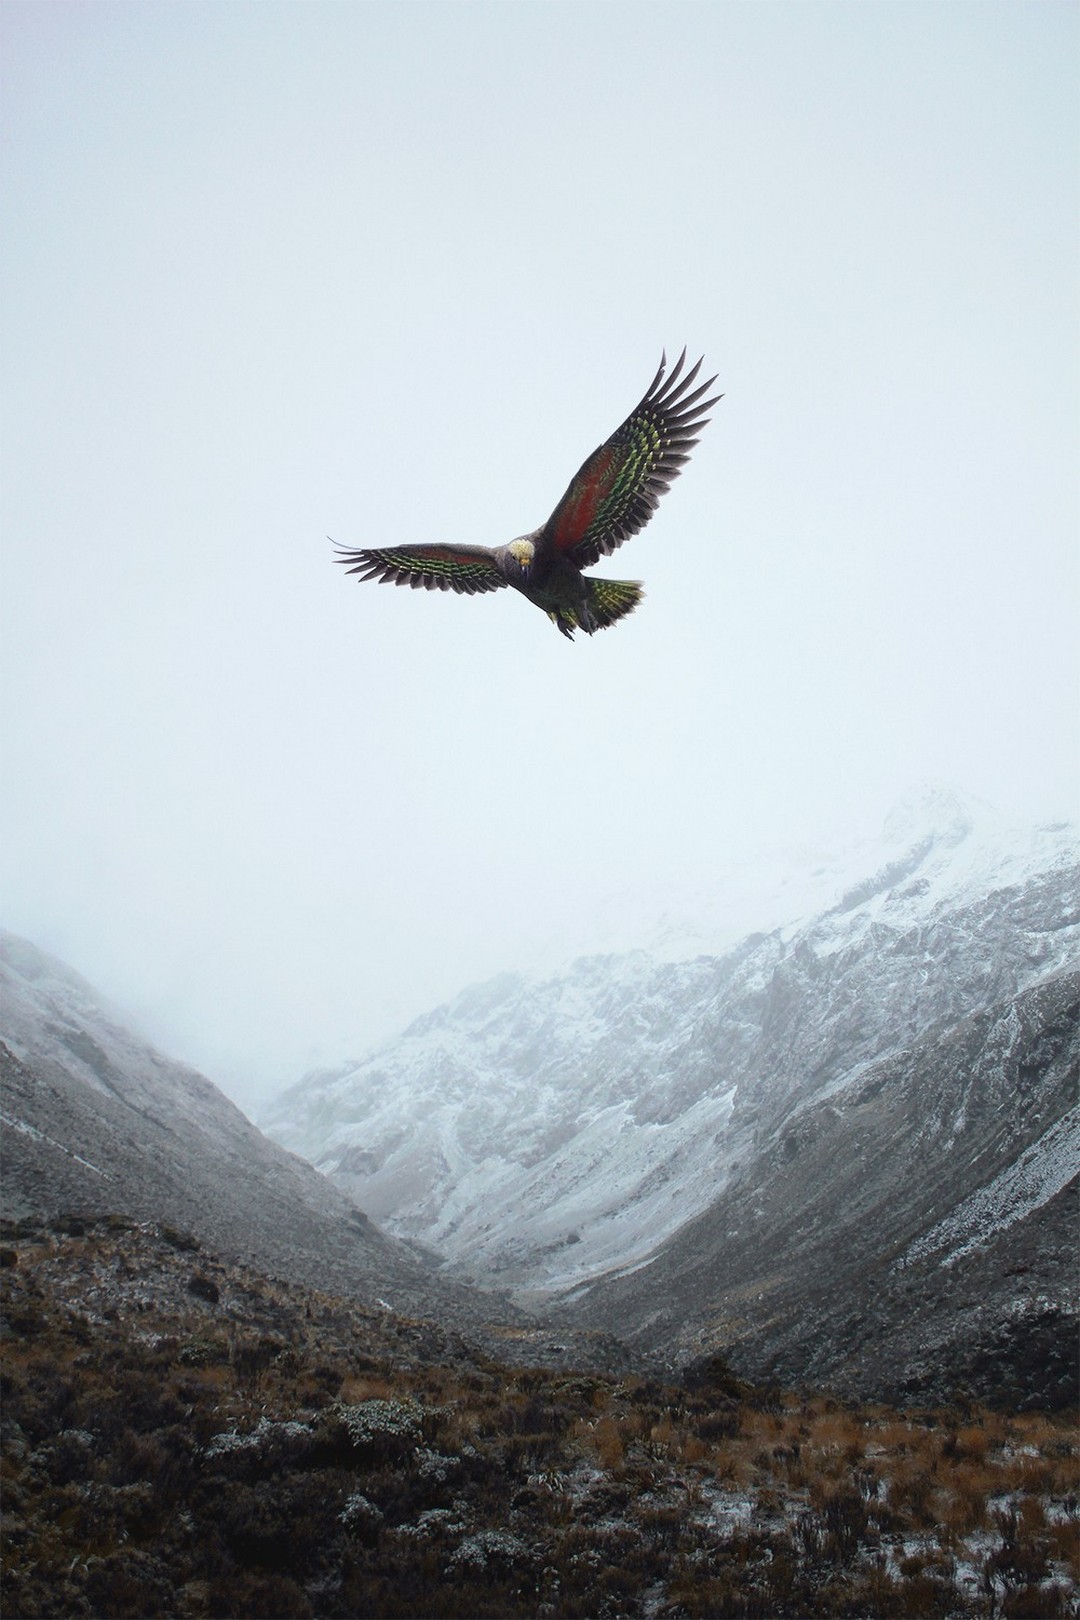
{"x":542,"y":1128}
{"x":936,"y":833}
{"x":933,"y":810}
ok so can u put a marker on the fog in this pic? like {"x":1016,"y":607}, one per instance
{"x":388,"y":273}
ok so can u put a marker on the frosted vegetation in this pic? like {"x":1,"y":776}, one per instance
{"x":280,"y":1452}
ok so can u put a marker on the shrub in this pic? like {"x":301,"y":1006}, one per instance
{"x":375,"y":1431}
{"x":845,"y":1522}
{"x":489,"y":1553}
{"x":204,"y":1287}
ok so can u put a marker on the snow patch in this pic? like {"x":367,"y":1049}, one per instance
{"x":1038,"y":1175}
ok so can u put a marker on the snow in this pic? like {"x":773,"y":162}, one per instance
{"x":54,"y":1018}
{"x":964,"y":846}
{"x":1035,"y":1177}
{"x":37,"y":1135}
{"x":548,"y":1126}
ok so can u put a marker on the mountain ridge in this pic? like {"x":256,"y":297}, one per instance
{"x":555,"y":1135}
{"x":98,"y":1122}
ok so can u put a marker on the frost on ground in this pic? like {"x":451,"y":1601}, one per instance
{"x":263,"y":1457}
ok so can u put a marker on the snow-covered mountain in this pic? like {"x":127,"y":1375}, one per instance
{"x":786,"y":888}
{"x":541,"y":1129}
{"x":901,"y":1236}
{"x":96,"y":1122}
{"x":545,"y":1130}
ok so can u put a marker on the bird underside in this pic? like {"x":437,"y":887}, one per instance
{"x":604,"y":602}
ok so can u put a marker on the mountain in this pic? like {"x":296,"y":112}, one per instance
{"x":96,"y":1122}
{"x":769,"y":1147}
{"x":908,"y":1234}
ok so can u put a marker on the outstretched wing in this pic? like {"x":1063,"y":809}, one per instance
{"x":469,"y":569}
{"x":616,"y":491}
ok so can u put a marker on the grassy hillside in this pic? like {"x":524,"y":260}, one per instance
{"x":185,"y":1437}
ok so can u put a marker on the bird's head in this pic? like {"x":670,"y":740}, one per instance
{"x":523,"y":553}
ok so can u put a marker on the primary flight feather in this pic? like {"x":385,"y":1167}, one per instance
{"x":612,"y":496}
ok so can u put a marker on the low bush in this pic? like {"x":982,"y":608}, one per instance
{"x":297,"y":1457}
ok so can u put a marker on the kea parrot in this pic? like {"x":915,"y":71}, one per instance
{"x":611,"y":497}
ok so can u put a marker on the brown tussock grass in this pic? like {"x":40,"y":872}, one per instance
{"x":603,"y":1439}
{"x":357,"y":1387}
{"x":910,"y":1490}
{"x":692,"y":1450}
{"x":896,"y":1437}
{"x":762,"y":1429}
{"x":837,"y":1431}
{"x":1063,"y":1541}
{"x":732,"y":1467}
{"x":970,"y":1485}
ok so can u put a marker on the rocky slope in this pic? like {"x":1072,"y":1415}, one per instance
{"x":95,"y":1122}
{"x":892,"y":1061}
{"x":909,"y":1236}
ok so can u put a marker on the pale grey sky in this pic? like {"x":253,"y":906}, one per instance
{"x":388,"y":272}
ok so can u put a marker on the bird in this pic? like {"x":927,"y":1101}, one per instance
{"x":611,"y":497}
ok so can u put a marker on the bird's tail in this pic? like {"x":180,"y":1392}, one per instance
{"x":612,"y":599}
{"x":606,"y":600}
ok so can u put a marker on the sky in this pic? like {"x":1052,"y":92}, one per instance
{"x":388,"y":273}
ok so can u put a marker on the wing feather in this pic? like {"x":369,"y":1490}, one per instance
{"x":466,"y":569}
{"x":615,"y":492}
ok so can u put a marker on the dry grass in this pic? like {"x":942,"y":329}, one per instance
{"x":362,"y":1387}
{"x":602,"y":1439}
{"x":595,"y":1496}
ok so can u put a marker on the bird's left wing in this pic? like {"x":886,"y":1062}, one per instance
{"x":469,"y":569}
{"x":615,"y":492}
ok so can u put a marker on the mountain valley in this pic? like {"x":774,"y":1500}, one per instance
{"x":844,"y":1149}
{"x":676,"y":1282}
{"x":96,"y":1122}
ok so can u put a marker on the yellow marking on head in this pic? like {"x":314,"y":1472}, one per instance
{"x":522,"y":551}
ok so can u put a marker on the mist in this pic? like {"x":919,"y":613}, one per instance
{"x":388,"y":274}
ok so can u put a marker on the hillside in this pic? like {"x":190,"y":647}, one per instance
{"x":910,"y":1235}
{"x":183,"y":1436}
{"x":552,"y":1134}
{"x":97,"y":1122}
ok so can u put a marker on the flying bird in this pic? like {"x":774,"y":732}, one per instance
{"x":612,"y":496}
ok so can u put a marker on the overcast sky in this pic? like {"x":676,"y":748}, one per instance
{"x":388,"y":272}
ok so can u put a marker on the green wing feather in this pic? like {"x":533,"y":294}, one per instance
{"x":467,"y":569}
{"x":616,"y":491}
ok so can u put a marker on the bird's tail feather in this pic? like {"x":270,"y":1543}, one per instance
{"x":612,"y":599}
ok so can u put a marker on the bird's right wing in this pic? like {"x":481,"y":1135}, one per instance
{"x":615,"y":492}
{"x":469,"y":569}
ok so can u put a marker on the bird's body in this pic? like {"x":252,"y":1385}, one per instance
{"x":611,"y":497}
